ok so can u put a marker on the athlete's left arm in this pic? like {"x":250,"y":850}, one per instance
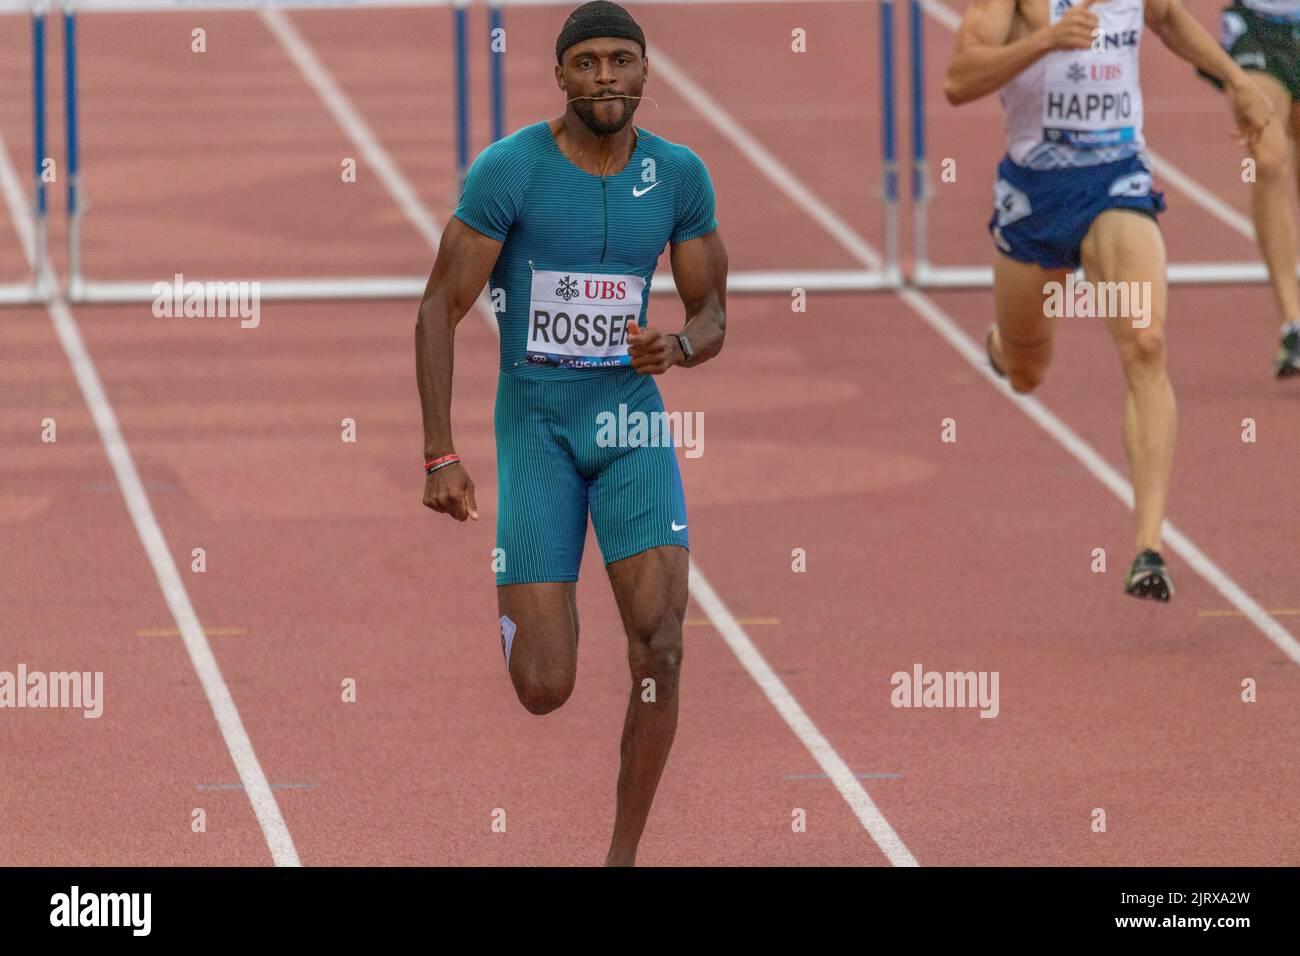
{"x":700,"y":274}
{"x":1186,"y":38}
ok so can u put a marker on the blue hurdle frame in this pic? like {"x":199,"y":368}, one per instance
{"x":71,"y":145}
{"x":496,"y":77}
{"x":39,"y":288}
{"x":460,"y":61}
{"x":888,"y":146}
{"x":38,"y":137}
{"x":920,"y":169}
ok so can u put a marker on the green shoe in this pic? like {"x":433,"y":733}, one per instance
{"x":1287,"y":362}
{"x":1149,"y":578}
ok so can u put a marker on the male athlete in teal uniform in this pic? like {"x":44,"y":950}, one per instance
{"x":567,"y":219}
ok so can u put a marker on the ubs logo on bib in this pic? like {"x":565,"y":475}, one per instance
{"x":1098,"y":72}
{"x":593,"y":290}
{"x":567,"y":289}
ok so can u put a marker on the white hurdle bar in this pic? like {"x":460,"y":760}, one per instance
{"x":815,"y":280}
{"x":1179,"y":273}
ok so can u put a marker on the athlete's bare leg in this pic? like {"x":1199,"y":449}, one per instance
{"x":544,"y":653}
{"x":651,"y":590}
{"x":1293,"y":130}
{"x":1125,"y":246}
{"x":1022,"y":342}
{"x":1270,"y":197}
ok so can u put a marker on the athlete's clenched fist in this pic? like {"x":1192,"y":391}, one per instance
{"x":1251,"y":108}
{"x":1077,"y":27}
{"x":652,"y":352}
{"x":449,"y":491}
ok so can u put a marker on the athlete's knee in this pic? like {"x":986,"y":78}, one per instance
{"x":541,"y":689}
{"x":1272,"y":157}
{"x":1026,"y":367}
{"x":1027,"y":378}
{"x":541,"y":694}
{"x":1146,"y":349}
{"x":655,"y":651}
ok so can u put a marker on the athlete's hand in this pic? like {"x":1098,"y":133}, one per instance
{"x":652,"y":352}
{"x":1074,"y":31}
{"x":1252,"y":109}
{"x":449,"y":491}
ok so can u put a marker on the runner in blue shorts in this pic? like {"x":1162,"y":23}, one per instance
{"x":1075,"y":189}
{"x":565,"y":221}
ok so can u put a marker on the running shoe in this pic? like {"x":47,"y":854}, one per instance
{"x":1149,"y":578}
{"x":1287,"y":362}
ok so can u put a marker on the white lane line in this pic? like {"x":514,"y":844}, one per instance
{"x":1211,"y":203}
{"x":846,"y":782}
{"x":945,"y":15}
{"x":734,"y":635}
{"x":196,"y":644}
{"x":777,"y":173}
{"x":1103,"y":471}
{"x":1184,"y":183}
{"x":1178,"y":542}
{"x":357,"y":130}
{"x":17,"y":203}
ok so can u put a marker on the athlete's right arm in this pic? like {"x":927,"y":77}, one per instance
{"x":464,"y":263}
{"x":983,"y":61}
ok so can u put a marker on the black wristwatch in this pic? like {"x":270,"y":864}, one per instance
{"x":685,"y":344}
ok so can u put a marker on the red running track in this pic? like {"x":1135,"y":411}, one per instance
{"x":321,"y":564}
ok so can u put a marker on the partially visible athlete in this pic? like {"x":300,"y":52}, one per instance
{"x":1263,"y":38}
{"x":1075,"y":189}
{"x":566,"y":220}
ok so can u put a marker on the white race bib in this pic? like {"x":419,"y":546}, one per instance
{"x":579,"y":319}
{"x":1092,"y":98}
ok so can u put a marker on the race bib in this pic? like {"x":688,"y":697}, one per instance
{"x":579,"y":319}
{"x":1091,"y":98}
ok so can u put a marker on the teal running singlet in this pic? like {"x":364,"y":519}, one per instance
{"x":577,"y":259}
{"x":579,"y":249}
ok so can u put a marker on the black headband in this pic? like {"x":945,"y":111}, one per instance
{"x":599,"y":18}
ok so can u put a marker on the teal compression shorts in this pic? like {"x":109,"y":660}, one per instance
{"x":565,"y":449}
